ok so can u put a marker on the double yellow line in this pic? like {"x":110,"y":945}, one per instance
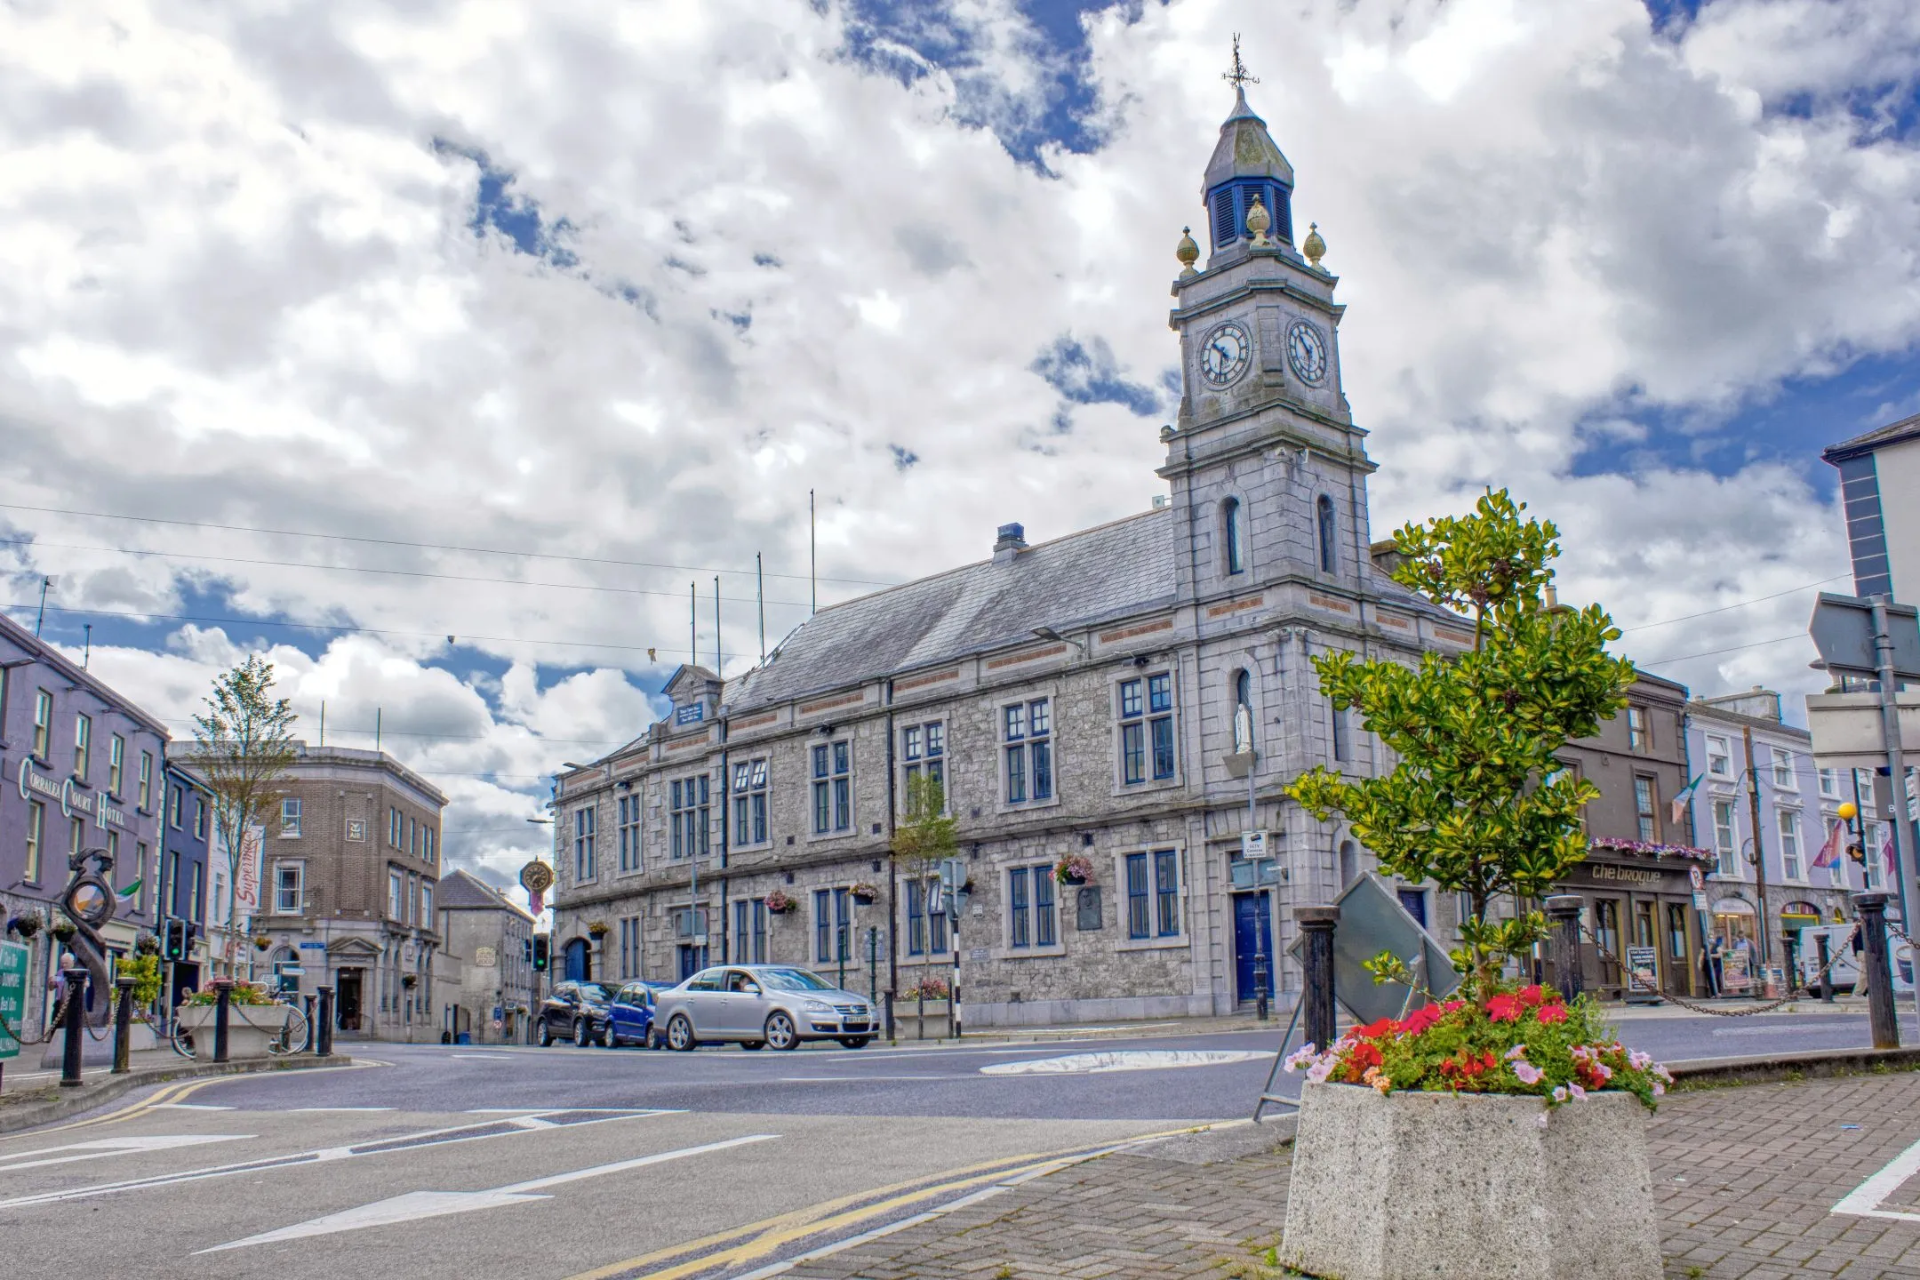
{"x":758,"y":1241}
{"x":172,"y":1093}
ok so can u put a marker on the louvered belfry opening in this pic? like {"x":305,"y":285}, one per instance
{"x":1229,"y":204}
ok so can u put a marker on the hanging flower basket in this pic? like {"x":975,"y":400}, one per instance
{"x":262,"y":942}
{"x":1074,"y":869}
{"x":26,"y":926}
{"x":778,"y":902}
{"x":63,"y":929}
{"x":599,"y":928}
{"x":864,"y":894}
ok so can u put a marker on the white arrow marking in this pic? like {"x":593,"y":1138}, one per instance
{"x":1122,"y":1060}
{"x":433,"y":1204}
{"x":113,"y":1147}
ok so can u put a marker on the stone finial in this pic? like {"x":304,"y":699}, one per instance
{"x":1315,"y":248}
{"x":1188,"y":252}
{"x":1258,"y":220}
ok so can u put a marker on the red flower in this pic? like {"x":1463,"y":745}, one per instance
{"x":1532,"y":996}
{"x":1453,"y":1006}
{"x":1551,"y":1013}
{"x":1504,"y":1009}
{"x":1420,"y":1019}
{"x":1374,"y":1030}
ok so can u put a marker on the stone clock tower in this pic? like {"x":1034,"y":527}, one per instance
{"x":1268,"y":472}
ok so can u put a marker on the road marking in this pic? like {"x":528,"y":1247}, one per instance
{"x":415,"y":1205}
{"x":489,"y":1057}
{"x":301,"y":1110}
{"x":190,"y":1106}
{"x":1124,"y":1060}
{"x":102,"y":1147}
{"x":1865,"y":1200}
{"x":757,"y":1240}
{"x":858,"y":1079}
{"x":358,"y":1151}
{"x":172,"y":1093}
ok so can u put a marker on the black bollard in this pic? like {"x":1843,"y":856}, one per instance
{"x":122,"y":1025}
{"x":73,"y":1017}
{"x":1563,"y":909}
{"x":1871,"y":909}
{"x":1316,"y":931}
{"x":223,"y":997}
{"x":323,"y":1046}
{"x":312,"y":1029}
{"x":1826,"y":967}
{"x":1259,"y":981}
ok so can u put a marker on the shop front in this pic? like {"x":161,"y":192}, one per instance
{"x":1638,"y":912}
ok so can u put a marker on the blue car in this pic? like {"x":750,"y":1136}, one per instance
{"x":630,"y":1016}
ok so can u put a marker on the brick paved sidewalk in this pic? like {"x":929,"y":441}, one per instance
{"x":1746,"y":1177}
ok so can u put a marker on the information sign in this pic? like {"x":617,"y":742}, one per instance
{"x":13,"y":995}
{"x":1644,"y":964}
{"x":1734,"y":973}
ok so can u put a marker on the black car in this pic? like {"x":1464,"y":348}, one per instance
{"x":576,"y":1011}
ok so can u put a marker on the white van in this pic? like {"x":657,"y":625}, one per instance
{"x":1846,"y":969}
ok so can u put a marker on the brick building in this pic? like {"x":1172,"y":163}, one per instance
{"x":347,"y":874}
{"x":1137,"y":693}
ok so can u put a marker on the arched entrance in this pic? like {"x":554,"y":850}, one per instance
{"x":577,"y":961}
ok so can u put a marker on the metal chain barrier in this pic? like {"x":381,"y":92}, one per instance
{"x":13,"y":1032}
{"x":1684,"y":1003}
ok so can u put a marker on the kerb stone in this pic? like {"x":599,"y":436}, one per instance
{"x":1443,"y":1185}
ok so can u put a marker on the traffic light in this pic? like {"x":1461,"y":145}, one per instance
{"x":540,"y":954}
{"x":1857,"y":853}
{"x":174,"y":945}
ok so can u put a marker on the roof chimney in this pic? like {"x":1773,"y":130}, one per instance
{"x":1011,"y":542}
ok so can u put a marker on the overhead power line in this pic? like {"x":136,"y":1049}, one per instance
{"x":390,"y":573}
{"x":1738,"y":604}
{"x":1683,"y":657}
{"x":341,"y":629}
{"x":426,"y":546}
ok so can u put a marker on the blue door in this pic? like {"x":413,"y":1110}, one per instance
{"x":576,"y":961}
{"x":1252,"y":937}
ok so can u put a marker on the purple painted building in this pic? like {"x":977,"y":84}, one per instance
{"x":81,"y":768}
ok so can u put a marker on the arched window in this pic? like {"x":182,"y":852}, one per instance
{"x":1327,"y":534}
{"x":1349,"y":863}
{"x":1232,"y":536}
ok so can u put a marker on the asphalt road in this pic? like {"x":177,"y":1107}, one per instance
{"x":520,"y":1162}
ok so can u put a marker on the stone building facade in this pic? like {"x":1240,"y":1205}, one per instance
{"x":1137,"y":693}
{"x":486,"y":942}
{"x":347,"y":872}
{"x":1742,"y":739}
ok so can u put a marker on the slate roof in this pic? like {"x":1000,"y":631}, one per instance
{"x":1109,"y":571}
{"x":464,"y":889}
{"x":1879,"y":437}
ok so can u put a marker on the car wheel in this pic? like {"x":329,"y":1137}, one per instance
{"x":609,"y":1039}
{"x":546,"y":1034}
{"x":781,"y":1033}
{"x":581,"y":1036}
{"x":753,"y":1044}
{"x":680,"y":1036}
{"x":855,"y":1042}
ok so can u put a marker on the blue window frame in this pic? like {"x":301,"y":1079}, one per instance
{"x":1166,"y":888}
{"x":583,"y":841}
{"x":1020,"y":931}
{"x":822,"y":925}
{"x":1032,"y":921}
{"x":916,"y":918}
{"x":1028,"y":737}
{"x":1139,"y":919}
{"x":1146,"y":729}
{"x":832,"y":788}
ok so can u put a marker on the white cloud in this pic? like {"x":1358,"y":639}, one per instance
{"x":240,"y":285}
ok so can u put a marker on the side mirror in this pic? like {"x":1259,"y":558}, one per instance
{"x":750,"y":989}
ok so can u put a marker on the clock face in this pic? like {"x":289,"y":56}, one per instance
{"x":1225,"y":353}
{"x":1307,"y":352}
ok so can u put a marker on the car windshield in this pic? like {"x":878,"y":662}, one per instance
{"x":795,"y":980}
{"x":598,"y":992}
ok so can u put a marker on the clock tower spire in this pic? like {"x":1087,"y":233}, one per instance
{"x":1267,"y":469}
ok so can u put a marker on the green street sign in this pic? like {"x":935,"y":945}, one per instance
{"x":13,"y":995}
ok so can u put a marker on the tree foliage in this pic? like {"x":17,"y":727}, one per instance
{"x":243,"y":747}
{"x":1478,"y":803}
{"x":927,"y":834}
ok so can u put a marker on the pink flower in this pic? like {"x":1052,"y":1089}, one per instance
{"x":1659,"y":1090}
{"x":1518,"y":1051}
{"x":1639,"y":1061}
{"x":1560,"y":1093}
{"x":1301,"y":1057}
{"x":1551,"y":1013}
{"x":1602,"y":1070}
{"x":1579,"y":1094}
{"x":1528,"y":1073}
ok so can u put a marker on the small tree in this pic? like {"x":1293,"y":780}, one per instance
{"x":1478,"y":804}
{"x":927,"y":834}
{"x":243,"y":747}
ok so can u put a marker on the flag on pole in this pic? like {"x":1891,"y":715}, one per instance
{"x":1886,"y":849}
{"x":1829,"y":854}
{"x":130,"y":890}
{"x":1686,"y":794}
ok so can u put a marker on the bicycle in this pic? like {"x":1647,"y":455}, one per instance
{"x":291,"y":1037}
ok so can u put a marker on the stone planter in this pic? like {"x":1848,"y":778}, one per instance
{"x":1438,"y":1184}
{"x":908,"y":1025}
{"x":249,"y":1028}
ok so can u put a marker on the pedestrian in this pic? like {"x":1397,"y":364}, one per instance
{"x":57,"y":984}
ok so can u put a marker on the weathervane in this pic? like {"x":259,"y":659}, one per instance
{"x":1238,"y":76}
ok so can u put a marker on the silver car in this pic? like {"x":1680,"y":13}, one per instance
{"x":761,"y":1004}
